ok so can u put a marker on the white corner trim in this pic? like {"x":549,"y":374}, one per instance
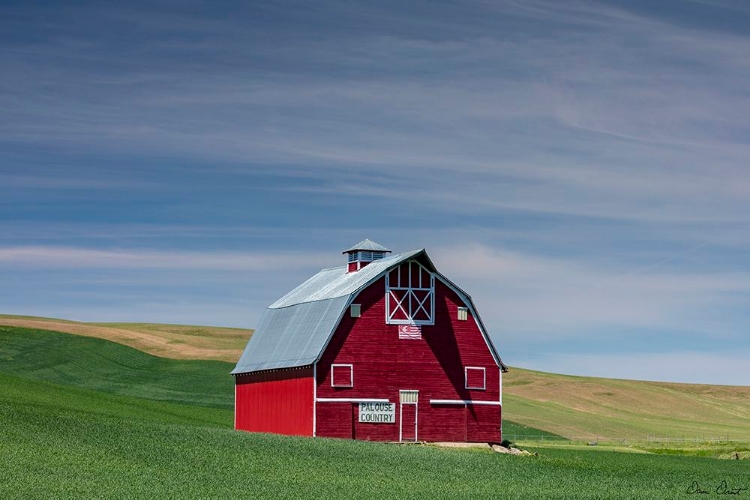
{"x":315,"y":398}
{"x":501,"y":386}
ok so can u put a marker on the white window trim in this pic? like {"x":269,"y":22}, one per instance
{"x":405,"y":300}
{"x":351,"y":375}
{"x":357,"y":308}
{"x":484,"y":378}
{"x":463,"y":313}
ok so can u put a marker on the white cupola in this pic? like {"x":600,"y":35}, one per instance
{"x":363,"y":253}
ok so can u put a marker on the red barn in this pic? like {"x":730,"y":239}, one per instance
{"x":383,"y":348}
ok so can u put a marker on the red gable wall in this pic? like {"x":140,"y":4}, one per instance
{"x":383,"y":364}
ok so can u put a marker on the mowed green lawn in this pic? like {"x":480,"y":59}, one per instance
{"x":64,"y":436}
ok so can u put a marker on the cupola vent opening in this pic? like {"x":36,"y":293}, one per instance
{"x":363,"y":253}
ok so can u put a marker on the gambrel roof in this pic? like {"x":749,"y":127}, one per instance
{"x":295,"y":330}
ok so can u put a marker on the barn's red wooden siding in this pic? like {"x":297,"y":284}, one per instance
{"x":383,"y":364}
{"x":278,"y":401}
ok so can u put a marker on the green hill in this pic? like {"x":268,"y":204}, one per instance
{"x":91,"y":363}
{"x":73,"y":427}
{"x":587,"y":407}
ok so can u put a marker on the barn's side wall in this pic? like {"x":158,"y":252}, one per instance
{"x":383,"y":364}
{"x":278,"y":401}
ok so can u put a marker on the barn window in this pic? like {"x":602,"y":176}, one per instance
{"x":342,"y":376}
{"x":475,"y":377}
{"x":463,"y":313}
{"x":356,"y":310}
{"x":410,"y":295}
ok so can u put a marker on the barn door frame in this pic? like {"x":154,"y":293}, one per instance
{"x":408,"y":397}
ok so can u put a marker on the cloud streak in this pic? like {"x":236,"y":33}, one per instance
{"x":87,"y":258}
{"x":728,"y":367}
{"x":554,"y":298}
{"x":588,"y":158}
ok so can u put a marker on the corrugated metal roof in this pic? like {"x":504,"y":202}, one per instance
{"x":367,"y":244}
{"x":291,"y":336}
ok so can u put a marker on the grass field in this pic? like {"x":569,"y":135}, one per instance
{"x":104,"y":366}
{"x":75,"y":445}
{"x":585,"y":407}
{"x":64,"y":436}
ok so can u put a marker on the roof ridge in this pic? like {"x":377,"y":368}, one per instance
{"x":367,"y":245}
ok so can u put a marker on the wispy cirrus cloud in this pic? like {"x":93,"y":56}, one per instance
{"x":92,"y":258}
{"x":547,"y":298}
{"x":728,"y":366}
{"x":589,"y":157}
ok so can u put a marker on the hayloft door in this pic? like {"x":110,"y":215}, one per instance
{"x":408,"y":415}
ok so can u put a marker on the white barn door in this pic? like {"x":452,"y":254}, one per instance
{"x":408,"y":416}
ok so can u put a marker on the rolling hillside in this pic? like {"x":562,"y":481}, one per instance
{"x":62,"y":442}
{"x":88,"y":418}
{"x":108,"y":367}
{"x":578,"y":407}
{"x":169,"y":341}
{"x":587,"y":407}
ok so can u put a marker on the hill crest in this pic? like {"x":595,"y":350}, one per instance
{"x":163,"y":340}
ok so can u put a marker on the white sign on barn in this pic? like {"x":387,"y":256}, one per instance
{"x":377,"y":413}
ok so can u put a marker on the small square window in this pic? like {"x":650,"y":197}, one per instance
{"x":356,"y":310}
{"x":342,"y":376}
{"x":475,"y":377}
{"x":463,"y":313}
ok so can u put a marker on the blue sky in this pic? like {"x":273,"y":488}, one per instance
{"x":580,"y":168}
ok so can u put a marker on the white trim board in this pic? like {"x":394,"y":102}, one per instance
{"x":463,"y":402}
{"x":315,"y":398}
{"x":351,"y":400}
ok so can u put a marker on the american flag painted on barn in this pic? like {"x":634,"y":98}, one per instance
{"x":410,"y":332}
